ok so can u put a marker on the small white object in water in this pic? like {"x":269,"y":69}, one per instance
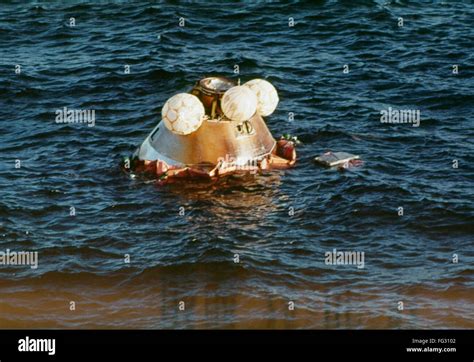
{"x":331,"y":159}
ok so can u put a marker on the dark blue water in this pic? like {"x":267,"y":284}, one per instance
{"x":190,"y":258}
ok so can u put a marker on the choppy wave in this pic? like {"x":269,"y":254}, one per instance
{"x":191,"y":257}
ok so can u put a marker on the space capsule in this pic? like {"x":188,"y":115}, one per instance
{"x":217,"y":129}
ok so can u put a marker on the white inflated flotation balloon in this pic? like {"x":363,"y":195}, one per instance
{"x":239,"y":103}
{"x":183,"y":113}
{"x":266,"y":94}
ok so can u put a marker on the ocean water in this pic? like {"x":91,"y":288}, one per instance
{"x":281,"y":224}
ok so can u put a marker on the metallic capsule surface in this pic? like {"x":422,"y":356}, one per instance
{"x":216,"y":139}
